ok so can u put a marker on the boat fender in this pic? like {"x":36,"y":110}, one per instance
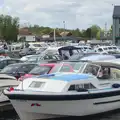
{"x":115,"y":85}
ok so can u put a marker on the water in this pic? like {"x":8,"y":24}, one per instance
{"x":114,"y":115}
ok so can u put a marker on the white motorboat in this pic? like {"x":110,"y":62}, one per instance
{"x":62,"y":95}
{"x":5,"y":82}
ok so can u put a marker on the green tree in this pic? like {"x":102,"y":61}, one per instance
{"x":94,"y":30}
{"x":98,"y":35}
{"x":88,"y":33}
{"x":9,"y":27}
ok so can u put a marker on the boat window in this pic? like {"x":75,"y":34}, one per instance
{"x":68,"y":67}
{"x":71,"y":88}
{"x":100,"y":50}
{"x":77,"y":86}
{"x":39,"y":70}
{"x":110,"y":48}
{"x":36,"y":84}
{"x":115,"y":73}
{"x":114,"y":48}
{"x":26,"y":68}
{"x":89,"y":86}
{"x":65,"y":68}
{"x":32,"y":59}
{"x":92,"y":69}
{"x":10,"y":68}
{"x":90,"y":48}
{"x":105,"y":48}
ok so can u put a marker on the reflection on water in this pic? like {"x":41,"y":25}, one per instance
{"x":11,"y":115}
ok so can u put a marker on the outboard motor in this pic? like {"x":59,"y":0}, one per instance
{"x":116,"y":85}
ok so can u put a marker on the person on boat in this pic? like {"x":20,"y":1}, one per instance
{"x":104,"y":73}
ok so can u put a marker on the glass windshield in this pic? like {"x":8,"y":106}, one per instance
{"x":68,"y":67}
{"x":10,"y":69}
{"x":39,"y":70}
{"x":33,"y":59}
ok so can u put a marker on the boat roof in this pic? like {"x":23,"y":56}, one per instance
{"x":107,"y":63}
{"x":68,"y":77}
{"x":98,"y":57}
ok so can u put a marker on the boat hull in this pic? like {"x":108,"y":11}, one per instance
{"x":33,"y":110}
{"x":5,"y":103}
{"x":4,"y":100}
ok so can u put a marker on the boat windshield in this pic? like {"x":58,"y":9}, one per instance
{"x":69,"y":67}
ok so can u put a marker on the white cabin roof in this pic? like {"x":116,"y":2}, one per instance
{"x":55,"y":83}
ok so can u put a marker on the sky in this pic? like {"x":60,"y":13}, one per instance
{"x":76,"y":13}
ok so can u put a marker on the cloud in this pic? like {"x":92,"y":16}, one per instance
{"x":76,"y":13}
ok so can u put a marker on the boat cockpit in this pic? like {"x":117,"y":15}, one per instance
{"x":101,"y":69}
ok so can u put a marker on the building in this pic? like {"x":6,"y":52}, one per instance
{"x":116,"y":25}
{"x":25,"y":35}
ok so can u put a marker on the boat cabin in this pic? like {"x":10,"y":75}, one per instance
{"x":61,"y":83}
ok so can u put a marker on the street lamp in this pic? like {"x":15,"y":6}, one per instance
{"x":64,"y":31}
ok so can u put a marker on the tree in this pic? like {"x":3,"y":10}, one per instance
{"x":94,"y":30}
{"x":111,"y":28}
{"x":9,"y":27}
{"x":83,"y":32}
{"x":76,"y":32}
{"x":98,"y":35}
{"x":88,"y":33}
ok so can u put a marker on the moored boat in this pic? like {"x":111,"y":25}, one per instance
{"x":5,"y":82}
{"x":63,"y":94}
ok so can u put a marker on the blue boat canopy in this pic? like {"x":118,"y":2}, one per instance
{"x":66,"y":77}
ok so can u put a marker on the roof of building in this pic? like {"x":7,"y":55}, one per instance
{"x":24,"y":31}
{"x":116,"y":12}
{"x":65,"y":33}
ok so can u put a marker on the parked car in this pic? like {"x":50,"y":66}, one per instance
{"x":19,"y":69}
{"x":27,"y":51}
{"x":8,"y":61}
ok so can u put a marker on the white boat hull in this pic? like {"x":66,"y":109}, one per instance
{"x":51,"y":109}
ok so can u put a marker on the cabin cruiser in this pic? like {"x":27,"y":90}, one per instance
{"x":65,"y":51}
{"x":5,"y":82}
{"x":68,"y":94}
